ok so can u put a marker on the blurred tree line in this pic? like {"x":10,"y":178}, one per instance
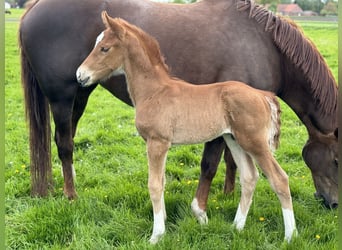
{"x":323,"y":7}
{"x":17,"y":3}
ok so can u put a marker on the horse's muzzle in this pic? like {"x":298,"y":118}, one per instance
{"x":328,"y":204}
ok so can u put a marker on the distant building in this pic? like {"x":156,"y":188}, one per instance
{"x":309,"y":13}
{"x":289,"y":10}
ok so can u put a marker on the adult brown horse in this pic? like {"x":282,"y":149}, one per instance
{"x":208,"y":41}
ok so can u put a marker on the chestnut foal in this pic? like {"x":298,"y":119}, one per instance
{"x":170,"y":111}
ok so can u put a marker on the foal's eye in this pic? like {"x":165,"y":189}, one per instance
{"x":103,"y":49}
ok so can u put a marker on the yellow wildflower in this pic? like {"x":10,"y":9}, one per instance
{"x":261,"y":219}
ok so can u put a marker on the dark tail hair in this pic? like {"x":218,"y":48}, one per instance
{"x":38,"y":118}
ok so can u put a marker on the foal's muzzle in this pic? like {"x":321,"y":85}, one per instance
{"x":82,"y":78}
{"x":83,"y":82}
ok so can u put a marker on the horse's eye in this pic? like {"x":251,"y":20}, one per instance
{"x":336,"y":162}
{"x":103,"y":49}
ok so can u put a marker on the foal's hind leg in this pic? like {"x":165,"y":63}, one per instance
{"x":248,"y":178}
{"x":280,"y":184}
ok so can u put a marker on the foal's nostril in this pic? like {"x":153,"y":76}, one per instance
{"x":84,"y":81}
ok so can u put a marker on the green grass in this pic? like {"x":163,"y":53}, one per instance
{"x":114,"y":210}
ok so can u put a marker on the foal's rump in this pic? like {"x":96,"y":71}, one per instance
{"x":244,"y":103}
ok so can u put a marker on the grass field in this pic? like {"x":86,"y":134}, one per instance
{"x":114,"y":211}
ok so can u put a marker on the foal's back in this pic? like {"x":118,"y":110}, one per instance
{"x":184,"y":113}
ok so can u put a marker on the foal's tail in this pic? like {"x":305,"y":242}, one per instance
{"x":38,"y":118}
{"x":274,"y":130}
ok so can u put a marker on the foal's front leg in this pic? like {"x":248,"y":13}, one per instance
{"x":156,"y":153}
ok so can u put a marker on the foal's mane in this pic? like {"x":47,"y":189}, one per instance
{"x":289,"y":38}
{"x":149,"y":43}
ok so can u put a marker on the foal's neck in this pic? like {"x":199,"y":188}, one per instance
{"x":143,"y":79}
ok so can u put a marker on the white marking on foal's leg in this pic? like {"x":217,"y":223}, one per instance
{"x":240,"y":219}
{"x":158,"y":226}
{"x":248,"y":178}
{"x":290,"y":224}
{"x":163,"y":204}
{"x":200,"y":214}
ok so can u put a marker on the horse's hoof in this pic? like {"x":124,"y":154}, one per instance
{"x":202,"y":218}
{"x":228,"y":189}
{"x":71,"y":195}
{"x":200,"y":214}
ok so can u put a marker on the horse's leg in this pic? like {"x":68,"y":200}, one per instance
{"x":80,"y":103}
{"x":280,"y":184}
{"x":62,"y":114}
{"x":210,"y":160}
{"x":156,"y":153}
{"x":231,"y":167}
{"x":248,"y":179}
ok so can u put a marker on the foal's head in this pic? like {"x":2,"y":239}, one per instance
{"x":119,"y":42}
{"x":107,"y":57}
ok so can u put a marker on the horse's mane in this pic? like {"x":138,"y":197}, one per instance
{"x":291,"y":41}
{"x":149,"y":43}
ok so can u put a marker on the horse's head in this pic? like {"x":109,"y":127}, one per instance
{"x":321,"y":155}
{"x":107,"y":57}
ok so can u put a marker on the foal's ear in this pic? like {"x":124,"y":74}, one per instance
{"x":114,"y":25}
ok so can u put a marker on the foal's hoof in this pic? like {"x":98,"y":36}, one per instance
{"x":290,"y":237}
{"x":155,"y":238}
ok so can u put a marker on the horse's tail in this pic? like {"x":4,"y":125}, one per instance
{"x":38,"y":118}
{"x":274,"y":130}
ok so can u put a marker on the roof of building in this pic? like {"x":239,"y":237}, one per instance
{"x":289,"y":8}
